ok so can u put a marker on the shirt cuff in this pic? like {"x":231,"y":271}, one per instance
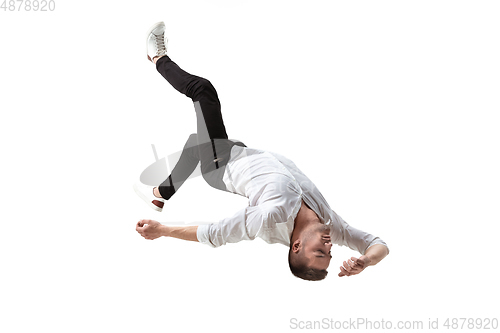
{"x":203,"y":235}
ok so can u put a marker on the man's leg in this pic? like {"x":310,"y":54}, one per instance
{"x":211,"y":133}
{"x":211,"y":137}
{"x":183,"y":169}
{"x":209,"y":117}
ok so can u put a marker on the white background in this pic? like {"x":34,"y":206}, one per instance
{"x":404,"y":95}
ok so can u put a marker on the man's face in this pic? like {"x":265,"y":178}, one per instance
{"x":317,"y":248}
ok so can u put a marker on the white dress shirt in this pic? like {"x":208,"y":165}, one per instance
{"x":275,"y":188}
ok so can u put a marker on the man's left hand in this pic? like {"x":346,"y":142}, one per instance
{"x":354,"y":266}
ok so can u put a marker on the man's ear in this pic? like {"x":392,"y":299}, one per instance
{"x":296,"y":246}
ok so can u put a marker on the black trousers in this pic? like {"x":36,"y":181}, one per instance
{"x":210,"y":145}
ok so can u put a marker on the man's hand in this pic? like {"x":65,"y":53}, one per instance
{"x":372,"y":256}
{"x":151,"y":229}
{"x":354,"y":266}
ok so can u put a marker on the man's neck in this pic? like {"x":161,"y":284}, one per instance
{"x":305,"y":217}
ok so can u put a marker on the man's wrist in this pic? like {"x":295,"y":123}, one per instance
{"x":165,"y":231}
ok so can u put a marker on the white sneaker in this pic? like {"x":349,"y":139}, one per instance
{"x":156,"y":41}
{"x":145,"y":192}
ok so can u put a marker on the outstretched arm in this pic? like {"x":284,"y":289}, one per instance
{"x":244,"y":225}
{"x":151,"y":229}
{"x":373,"y":255}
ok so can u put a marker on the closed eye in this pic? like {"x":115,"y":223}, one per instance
{"x":322,"y":252}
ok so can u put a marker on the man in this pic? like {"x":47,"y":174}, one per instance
{"x":284,"y":205}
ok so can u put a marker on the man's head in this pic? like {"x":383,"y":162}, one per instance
{"x":309,"y":254}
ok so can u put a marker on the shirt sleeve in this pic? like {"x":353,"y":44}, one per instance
{"x":356,"y":239}
{"x":246,"y":224}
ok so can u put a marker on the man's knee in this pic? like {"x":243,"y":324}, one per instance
{"x":203,"y":88}
{"x":205,"y":84}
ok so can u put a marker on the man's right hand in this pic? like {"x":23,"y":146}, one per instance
{"x":151,"y":229}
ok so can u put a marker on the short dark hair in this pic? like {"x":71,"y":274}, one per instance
{"x":300,"y":270}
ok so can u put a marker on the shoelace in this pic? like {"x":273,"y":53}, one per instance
{"x":160,"y":44}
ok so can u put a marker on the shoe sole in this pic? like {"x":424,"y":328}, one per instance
{"x":154,"y":26}
{"x":146,"y":199}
